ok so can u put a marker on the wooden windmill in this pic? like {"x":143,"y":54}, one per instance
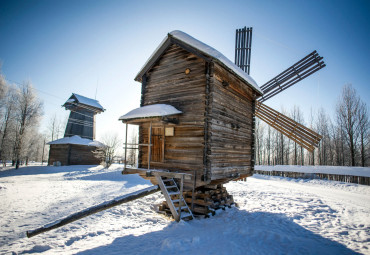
{"x":196,"y":117}
{"x":308,"y":65}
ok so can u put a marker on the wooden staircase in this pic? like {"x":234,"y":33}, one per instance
{"x":174,"y":197}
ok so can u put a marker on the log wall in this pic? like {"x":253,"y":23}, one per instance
{"x":167,"y":83}
{"x":214,"y":136}
{"x":230,"y":125}
{"x":71,"y":154}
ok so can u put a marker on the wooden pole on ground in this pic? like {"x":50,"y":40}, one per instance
{"x":94,"y":209}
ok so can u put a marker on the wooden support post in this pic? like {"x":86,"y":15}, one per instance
{"x":181,"y":198}
{"x":150,"y":145}
{"x":126,"y":148}
{"x":193,"y":193}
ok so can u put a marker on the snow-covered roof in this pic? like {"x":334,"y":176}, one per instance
{"x":85,"y":100}
{"x":204,"y":49}
{"x":77,"y":140}
{"x":150,"y":111}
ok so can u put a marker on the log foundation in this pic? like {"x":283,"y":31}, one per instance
{"x":204,"y":201}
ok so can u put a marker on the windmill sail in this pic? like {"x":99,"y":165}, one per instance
{"x":243,"y":45}
{"x":300,"y":134}
{"x":297,"y":72}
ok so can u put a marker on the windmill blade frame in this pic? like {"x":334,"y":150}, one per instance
{"x":297,"y":72}
{"x":295,"y":131}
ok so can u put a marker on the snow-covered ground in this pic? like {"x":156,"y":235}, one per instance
{"x":275,"y":216}
{"x":339,"y":170}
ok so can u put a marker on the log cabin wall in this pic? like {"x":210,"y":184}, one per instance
{"x":230,"y":126}
{"x":71,"y":154}
{"x":168,"y":83}
{"x":58,"y":152}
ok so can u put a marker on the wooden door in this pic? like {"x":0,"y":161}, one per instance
{"x":157,"y":144}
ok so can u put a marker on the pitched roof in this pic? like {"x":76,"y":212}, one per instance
{"x":205,"y":50}
{"x":75,"y":98}
{"x":77,"y":140}
{"x":150,"y":111}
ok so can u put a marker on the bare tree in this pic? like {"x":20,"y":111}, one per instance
{"x":108,"y":152}
{"x":29,"y":109}
{"x":3,"y":87}
{"x":132,"y":153}
{"x":52,"y":126}
{"x":347,"y":114}
{"x":259,"y":133}
{"x":7,"y":122}
{"x":363,"y":119}
{"x":297,"y":115}
{"x":60,"y":127}
{"x":268,"y":144}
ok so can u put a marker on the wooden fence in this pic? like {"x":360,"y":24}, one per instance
{"x":331,"y":177}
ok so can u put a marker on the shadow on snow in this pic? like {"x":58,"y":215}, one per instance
{"x":36,"y":170}
{"x":234,"y":231}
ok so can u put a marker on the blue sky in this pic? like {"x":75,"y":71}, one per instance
{"x":84,"y":47}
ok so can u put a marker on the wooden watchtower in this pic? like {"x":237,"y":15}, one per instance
{"x":81,"y":120}
{"x":78,"y":146}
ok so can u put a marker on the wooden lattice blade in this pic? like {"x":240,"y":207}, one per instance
{"x":300,"y":134}
{"x":297,"y":72}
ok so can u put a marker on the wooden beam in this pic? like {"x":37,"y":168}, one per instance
{"x":93,"y":209}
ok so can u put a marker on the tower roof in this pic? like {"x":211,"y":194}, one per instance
{"x":89,"y":103}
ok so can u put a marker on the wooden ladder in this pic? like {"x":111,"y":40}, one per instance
{"x":174,"y":197}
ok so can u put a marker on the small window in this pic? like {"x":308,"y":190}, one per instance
{"x":169,"y":131}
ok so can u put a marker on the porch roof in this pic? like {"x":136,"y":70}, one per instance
{"x":150,"y":111}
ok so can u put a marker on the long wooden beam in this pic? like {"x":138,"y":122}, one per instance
{"x":297,"y":72}
{"x":300,"y":134}
{"x":94,"y":209}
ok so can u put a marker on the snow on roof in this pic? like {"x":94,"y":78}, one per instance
{"x":86,"y":101}
{"x":148,"y":111}
{"x":78,"y":141}
{"x":205,"y":49}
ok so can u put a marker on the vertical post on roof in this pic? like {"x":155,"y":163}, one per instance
{"x":150,"y":145}
{"x":243,"y":44}
{"x":249,"y":48}
{"x":126,"y":147}
{"x":236,"y":47}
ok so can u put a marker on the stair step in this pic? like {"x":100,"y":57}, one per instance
{"x":171,"y":187}
{"x":182,"y":207}
{"x":185,"y":215}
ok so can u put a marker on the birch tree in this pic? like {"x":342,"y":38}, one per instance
{"x":28,"y":112}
